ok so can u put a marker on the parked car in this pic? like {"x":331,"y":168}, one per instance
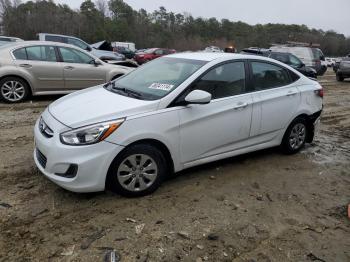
{"x":286,"y":58}
{"x":42,"y":68}
{"x":173,"y":113}
{"x":310,"y":56}
{"x":330,"y":62}
{"x":4,"y":40}
{"x":128,"y":45}
{"x":344,"y":69}
{"x":102,"y":54}
{"x":213,"y":49}
{"x":294,"y":62}
{"x":152,"y":53}
{"x":124,"y":51}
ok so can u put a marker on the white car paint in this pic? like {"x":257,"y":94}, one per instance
{"x":193,"y":134}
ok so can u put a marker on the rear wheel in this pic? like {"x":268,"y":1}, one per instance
{"x":13,"y":89}
{"x":340,"y":78}
{"x":295,"y":137}
{"x":137,"y":171}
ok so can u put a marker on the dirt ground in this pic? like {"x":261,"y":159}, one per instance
{"x":263,"y":206}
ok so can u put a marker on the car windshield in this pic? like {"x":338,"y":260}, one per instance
{"x":158,"y":78}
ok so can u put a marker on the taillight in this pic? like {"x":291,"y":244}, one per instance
{"x":319,"y":92}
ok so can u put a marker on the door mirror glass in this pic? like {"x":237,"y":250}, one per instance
{"x":198,"y":97}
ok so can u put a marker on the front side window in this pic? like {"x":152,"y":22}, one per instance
{"x":159,"y":52}
{"x":223,"y":81}
{"x":41,"y":53}
{"x":78,"y":43}
{"x":159,"y":77}
{"x":70,"y":55}
{"x":266,"y":76}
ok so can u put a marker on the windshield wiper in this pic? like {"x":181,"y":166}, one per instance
{"x":127,"y":91}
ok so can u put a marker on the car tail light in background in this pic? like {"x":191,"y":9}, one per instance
{"x":319,"y":92}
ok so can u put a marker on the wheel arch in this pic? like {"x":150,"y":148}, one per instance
{"x":153,"y":142}
{"x":310,"y":120}
{"x":22,"y":78}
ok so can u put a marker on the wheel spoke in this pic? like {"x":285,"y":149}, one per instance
{"x":125,"y":178}
{"x":142,"y":184}
{"x":124,"y":168}
{"x":131,"y":185}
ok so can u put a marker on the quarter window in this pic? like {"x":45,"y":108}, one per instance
{"x":266,"y":76}
{"x":223,"y":81}
{"x":70,"y":55}
{"x":20,"y":54}
{"x":41,"y":53}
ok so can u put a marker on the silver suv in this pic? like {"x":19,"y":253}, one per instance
{"x":41,"y":68}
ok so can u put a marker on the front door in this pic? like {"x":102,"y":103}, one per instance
{"x":79,"y":70}
{"x":218,"y":127}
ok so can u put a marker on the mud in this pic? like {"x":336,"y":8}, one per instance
{"x":263,"y":206}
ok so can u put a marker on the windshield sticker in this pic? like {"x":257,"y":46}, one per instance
{"x":159,"y":86}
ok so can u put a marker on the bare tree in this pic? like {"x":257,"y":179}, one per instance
{"x":102,"y":7}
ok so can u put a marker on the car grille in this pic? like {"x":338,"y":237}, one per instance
{"x":41,"y":158}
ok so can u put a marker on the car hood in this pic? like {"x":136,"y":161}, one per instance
{"x":95,"y":105}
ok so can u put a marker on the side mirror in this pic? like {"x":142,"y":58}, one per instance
{"x":96,"y":62}
{"x":198,"y":97}
{"x":301,"y":65}
{"x":88,"y":48}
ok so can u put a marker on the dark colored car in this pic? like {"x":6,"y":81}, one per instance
{"x":125,"y":51}
{"x":344,"y":69}
{"x":294,"y":62}
{"x":151,"y":54}
{"x":286,"y":58}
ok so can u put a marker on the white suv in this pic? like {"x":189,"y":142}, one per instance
{"x":173,"y":113}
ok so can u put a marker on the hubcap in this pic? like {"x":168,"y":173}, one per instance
{"x":297,"y":136}
{"x":12,"y":91}
{"x":137,"y":172}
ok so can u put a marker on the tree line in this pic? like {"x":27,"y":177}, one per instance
{"x":115,"y":20}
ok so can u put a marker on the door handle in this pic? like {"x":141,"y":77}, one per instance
{"x":69,"y":67}
{"x":291,"y":93}
{"x":240,"y":105}
{"x":26,"y":65}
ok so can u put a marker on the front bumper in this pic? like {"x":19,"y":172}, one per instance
{"x":92,"y":161}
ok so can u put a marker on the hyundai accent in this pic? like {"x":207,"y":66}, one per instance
{"x":173,"y":113}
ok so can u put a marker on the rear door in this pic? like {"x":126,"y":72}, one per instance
{"x":223,"y":125}
{"x":275,"y":99}
{"x":79,"y":70}
{"x":41,"y":62}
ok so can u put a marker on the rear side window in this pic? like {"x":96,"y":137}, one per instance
{"x":78,"y":43}
{"x":41,"y":53}
{"x":20,"y":54}
{"x":280,"y":57}
{"x":266,"y":76}
{"x":54,"y":38}
{"x":223,"y":81}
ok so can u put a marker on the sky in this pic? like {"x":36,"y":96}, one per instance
{"x":319,"y":14}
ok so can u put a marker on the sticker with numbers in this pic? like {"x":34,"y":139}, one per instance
{"x":159,"y":86}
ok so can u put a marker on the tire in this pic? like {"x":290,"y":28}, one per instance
{"x":295,"y":136}
{"x":127,"y":175}
{"x":13,"y":90}
{"x":340,"y":78}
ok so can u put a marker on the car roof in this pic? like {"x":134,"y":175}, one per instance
{"x":207,"y":56}
{"x":29,"y":43}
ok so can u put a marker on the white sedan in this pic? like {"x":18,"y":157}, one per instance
{"x":173,"y":113}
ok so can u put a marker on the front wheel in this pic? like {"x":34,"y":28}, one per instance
{"x":137,"y":171}
{"x":295,"y":137}
{"x":340,"y":78}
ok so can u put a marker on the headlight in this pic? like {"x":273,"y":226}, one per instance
{"x":91,"y":134}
